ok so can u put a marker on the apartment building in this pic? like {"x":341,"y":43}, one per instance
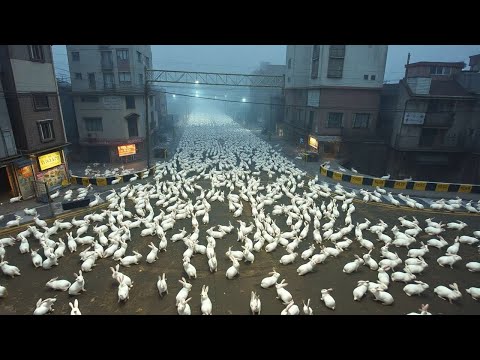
{"x":332,"y":96}
{"x":34,"y":133}
{"x":108,"y":84}
{"x":429,"y":123}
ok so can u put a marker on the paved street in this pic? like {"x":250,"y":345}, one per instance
{"x":215,"y":151}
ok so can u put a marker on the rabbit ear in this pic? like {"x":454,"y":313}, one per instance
{"x":76,"y":303}
{"x":71,"y":305}
{"x":206,"y":289}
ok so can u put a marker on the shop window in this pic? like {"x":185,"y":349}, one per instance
{"x":334,"y":120}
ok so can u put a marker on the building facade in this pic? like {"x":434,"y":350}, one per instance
{"x":332,"y":96}
{"x":108,"y":87}
{"x":32,"y":101}
{"x":428,"y":120}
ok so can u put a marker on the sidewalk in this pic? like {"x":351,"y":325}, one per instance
{"x":290,"y":151}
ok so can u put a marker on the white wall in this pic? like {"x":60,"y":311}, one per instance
{"x":359,"y":60}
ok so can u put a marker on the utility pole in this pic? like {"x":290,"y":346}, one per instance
{"x":147,"y":126}
{"x":406,"y":67}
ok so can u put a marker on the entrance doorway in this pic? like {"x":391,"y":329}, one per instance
{"x":5,"y":188}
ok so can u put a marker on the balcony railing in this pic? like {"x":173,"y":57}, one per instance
{"x":107,"y":64}
{"x":439,"y":120}
{"x":429,"y":143}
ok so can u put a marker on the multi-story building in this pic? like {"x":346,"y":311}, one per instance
{"x":69,"y":118}
{"x":108,"y":86}
{"x":332,"y":96}
{"x":266,"y":109}
{"x":427,"y":118}
{"x":31,"y":96}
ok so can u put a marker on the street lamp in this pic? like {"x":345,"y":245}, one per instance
{"x":174,"y":96}
{"x":243,"y":100}
{"x":196,"y":81}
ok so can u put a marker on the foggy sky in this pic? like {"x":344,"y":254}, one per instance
{"x":246,"y":58}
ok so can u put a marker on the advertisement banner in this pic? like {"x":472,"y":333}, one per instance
{"x":313,"y":142}
{"x":25,"y":177}
{"x":53,"y":177}
{"x":125,"y":150}
{"x":51,"y":160}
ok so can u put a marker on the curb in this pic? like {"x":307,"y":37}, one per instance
{"x":104,"y":181}
{"x":401,"y":184}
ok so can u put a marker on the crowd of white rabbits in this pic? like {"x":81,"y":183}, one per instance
{"x":218,"y":162}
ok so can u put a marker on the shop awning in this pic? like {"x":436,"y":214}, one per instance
{"x":328,"y":138}
{"x":22,"y":162}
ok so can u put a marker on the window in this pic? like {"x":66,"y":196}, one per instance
{"x":335,"y":61}
{"x":107,"y":61}
{"x":108,"y":80}
{"x":440,"y":70}
{"x":36,"y":52}
{"x":75,"y":56}
{"x":45,"y":127}
{"x":361,"y":120}
{"x":147,"y":61}
{"x":91,"y":81}
{"x":122,"y":54}
{"x":140,"y":79}
{"x":124,"y":78}
{"x":94,"y":99}
{"x":132,"y":126}
{"x":334,"y":120}
{"x":93,"y":123}
{"x":440,"y":106}
{"x":78,"y":76}
{"x":372,"y":77}
{"x":365,"y":77}
{"x":130,"y":101}
{"x":139,"y":57}
{"x":315,"y":61}
{"x":40,"y":102}
{"x":289,"y":63}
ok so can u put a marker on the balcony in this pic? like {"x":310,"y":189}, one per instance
{"x":439,"y":120}
{"x":429,"y":143}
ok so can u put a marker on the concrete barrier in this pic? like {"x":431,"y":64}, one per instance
{"x":104,"y":181}
{"x":400,"y":184}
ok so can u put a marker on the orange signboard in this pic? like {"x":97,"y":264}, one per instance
{"x":313,"y":142}
{"x":124,"y":150}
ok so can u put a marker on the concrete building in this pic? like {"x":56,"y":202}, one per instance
{"x":31,"y":97}
{"x":261,"y":113}
{"x":108,"y":87}
{"x":428,"y":121}
{"x":72,"y":152}
{"x":332,"y":98}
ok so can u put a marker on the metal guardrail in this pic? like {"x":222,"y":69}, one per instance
{"x":401,"y":184}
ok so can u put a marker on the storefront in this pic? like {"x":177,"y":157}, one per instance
{"x":24,"y":176}
{"x":312,"y":143}
{"x":50,"y":168}
{"x":7,"y":183}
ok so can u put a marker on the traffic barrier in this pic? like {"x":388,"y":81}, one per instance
{"x":400,"y":184}
{"x":104,"y":181}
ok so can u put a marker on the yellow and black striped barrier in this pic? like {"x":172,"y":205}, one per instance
{"x":400,"y":184}
{"x":104,"y":181}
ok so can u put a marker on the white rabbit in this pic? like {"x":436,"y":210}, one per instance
{"x":306,"y":268}
{"x":464,"y":239}
{"x":418,"y":252}
{"x":384,"y":297}
{"x":206,"y":302}
{"x":183,"y":293}
{"x":247,"y":255}
{"x":74,"y":307}
{"x":445,"y":293}
{"x":55,"y":284}
{"x":473,"y":266}
{"x":131,"y":259}
{"x":353,"y":266}
{"x":328,"y":299}
{"x":270,"y":280}
{"x":307,"y":310}
{"x":60,"y":250}
{"x":448,"y":260}
{"x":383,"y":276}
{"x":288,"y":259}
{"x":212,"y":263}
{"x":453,"y":250}
{"x":123,"y":289}
{"x":152,"y":255}
{"x":474,"y":292}
{"x":24,"y":246}
{"x":360,"y":290}
{"x":415,"y":289}
{"x":291,"y":309}
{"x":308,"y":253}
{"x":162,"y":285}
{"x":9,"y":270}
{"x":403,"y":276}
{"x":423,"y":310}
{"x":71,"y":243}
{"x":89,"y":262}
{"x":44,"y":306}
{"x":183,"y":308}
{"x":255,"y":303}
{"x":36,"y":258}
{"x":282,"y":293}
{"x":3,"y":291}
{"x":189,"y":268}
{"x":233,"y":270}
{"x":78,"y":285}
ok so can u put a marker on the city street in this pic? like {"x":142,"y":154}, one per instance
{"x":215,"y":151}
